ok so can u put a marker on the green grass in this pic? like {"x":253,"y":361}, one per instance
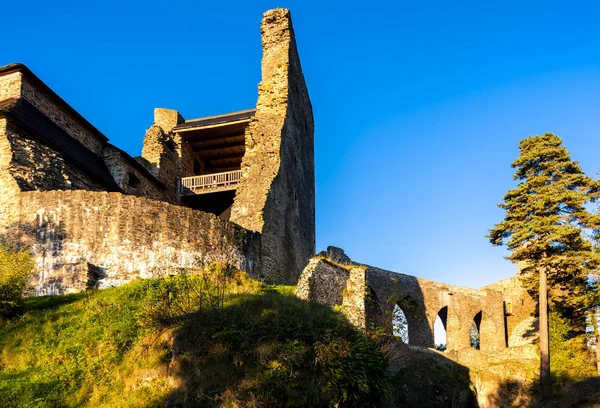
{"x":148,"y":343}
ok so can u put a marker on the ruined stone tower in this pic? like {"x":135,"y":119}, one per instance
{"x":237,"y":187}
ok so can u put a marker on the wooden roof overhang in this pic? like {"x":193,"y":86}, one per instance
{"x":218,"y":140}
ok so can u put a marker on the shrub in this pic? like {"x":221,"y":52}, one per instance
{"x":16,"y":267}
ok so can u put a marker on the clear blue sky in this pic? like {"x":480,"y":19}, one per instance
{"x":419,"y":106}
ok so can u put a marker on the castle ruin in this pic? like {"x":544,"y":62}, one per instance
{"x":236,"y":188}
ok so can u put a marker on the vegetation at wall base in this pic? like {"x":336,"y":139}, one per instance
{"x":183,"y":341}
{"x":16,"y":267}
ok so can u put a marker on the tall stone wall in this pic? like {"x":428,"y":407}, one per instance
{"x":82,"y":238}
{"x":276,"y":194}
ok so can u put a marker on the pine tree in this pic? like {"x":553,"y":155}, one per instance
{"x":543,"y":224}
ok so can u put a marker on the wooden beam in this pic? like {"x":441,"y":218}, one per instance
{"x":218,"y":142}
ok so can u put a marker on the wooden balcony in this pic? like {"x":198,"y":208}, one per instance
{"x":210,"y":183}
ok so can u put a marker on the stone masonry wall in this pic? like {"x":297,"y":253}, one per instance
{"x":10,"y":86}
{"x":334,"y":285}
{"x":133,"y":180}
{"x":8,"y":186}
{"x":35,"y":166}
{"x":522,"y":323}
{"x":422,"y":300}
{"x":81,"y":239}
{"x":366,"y":296}
{"x":276,"y":194}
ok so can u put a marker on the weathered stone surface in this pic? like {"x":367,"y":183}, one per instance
{"x":35,"y":166}
{"x":10,"y":86}
{"x":134,"y":178}
{"x":162,"y":151}
{"x":125,"y":237}
{"x":521,"y":324}
{"x":336,"y":254}
{"x":367,"y":296}
{"x":276,"y":195}
{"x":8,"y":185}
{"x":330,"y":284}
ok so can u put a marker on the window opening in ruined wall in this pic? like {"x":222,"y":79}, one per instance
{"x":475,"y":332}
{"x":133,"y":182}
{"x":400,"y":324}
{"x":439,"y":329}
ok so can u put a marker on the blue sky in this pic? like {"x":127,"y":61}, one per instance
{"x":419,"y":106}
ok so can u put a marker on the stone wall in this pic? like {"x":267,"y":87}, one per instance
{"x":422,"y":300}
{"x":134,"y":178}
{"x":35,"y":166}
{"x":522,"y":323}
{"x":367,"y":295}
{"x":335,"y":285}
{"x":163,"y":152}
{"x":24,"y":84}
{"x":277,"y":191}
{"x":8,"y":186}
{"x":70,"y":122}
{"x":82,"y":238}
{"x":10,"y":86}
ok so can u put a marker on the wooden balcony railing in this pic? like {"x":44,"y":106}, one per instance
{"x":210,"y":183}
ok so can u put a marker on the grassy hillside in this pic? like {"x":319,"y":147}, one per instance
{"x":186,"y":341}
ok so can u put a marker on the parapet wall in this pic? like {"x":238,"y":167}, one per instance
{"x":82,"y":238}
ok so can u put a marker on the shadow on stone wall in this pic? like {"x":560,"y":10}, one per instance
{"x":566,"y":393}
{"x":45,"y":240}
{"x":387,"y":290}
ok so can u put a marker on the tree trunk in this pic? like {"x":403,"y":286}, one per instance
{"x":544,"y":341}
{"x":595,"y":316}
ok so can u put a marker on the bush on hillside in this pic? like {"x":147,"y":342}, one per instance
{"x":16,"y":267}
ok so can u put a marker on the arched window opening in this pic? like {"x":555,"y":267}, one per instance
{"x":475,"y":333}
{"x":400,"y":324}
{"x":439,"y":329}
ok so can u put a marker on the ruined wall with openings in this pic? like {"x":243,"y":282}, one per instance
{"x":82,"y":238}
{"x":421,"y":300}
{"x":367,"y":295}
{"x":276,"y":194}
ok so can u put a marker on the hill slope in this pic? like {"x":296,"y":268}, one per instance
{"x":186,"y":341}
